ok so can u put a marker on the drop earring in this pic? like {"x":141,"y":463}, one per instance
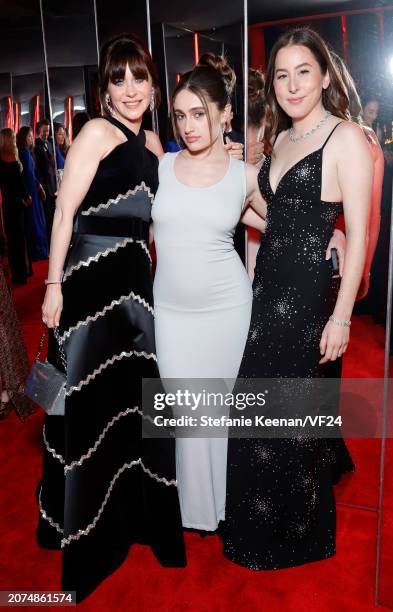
{"x":108,"y":104}
{"x":152,"y":101}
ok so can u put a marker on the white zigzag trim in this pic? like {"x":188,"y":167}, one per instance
{"x":108,"y":362}
{"x":86,"y":531}
{"x":144,"y":247}
{"x":102,"y":312}
{"x":50,"y":450}
{"x":105,"y":253}
{"x":92,"y":450}
{"x":48,"y":518}
{"x":141,"y":187}
{"x":168,"y":483}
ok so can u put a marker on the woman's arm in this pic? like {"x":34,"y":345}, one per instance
{"x":252,"y":219}
{"x":82,"y":162}
{"x":254,"y":197}
{"x":153,"y":143}
{"x":355,"y":174}
{"x":374,"y":217}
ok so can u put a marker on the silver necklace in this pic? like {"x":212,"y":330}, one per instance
{"x":293,"y":137}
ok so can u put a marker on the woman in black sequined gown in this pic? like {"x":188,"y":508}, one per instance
{"x":103,"y":486}
{"x":280,"y":509}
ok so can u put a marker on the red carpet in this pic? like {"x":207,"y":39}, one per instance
{"x":210,"y":582}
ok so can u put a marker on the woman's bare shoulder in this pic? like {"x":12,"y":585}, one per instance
{"x":95,"y":128}
{"x":348,"y":131}
{"x":96,"y":138}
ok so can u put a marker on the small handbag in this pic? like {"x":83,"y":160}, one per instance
{"x":46,"y":385}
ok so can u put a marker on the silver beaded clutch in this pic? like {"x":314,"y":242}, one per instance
{"x":46,"y":385}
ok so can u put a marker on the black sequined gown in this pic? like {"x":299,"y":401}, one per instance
{"x":103,"y":486}
{"x":280,"y":509}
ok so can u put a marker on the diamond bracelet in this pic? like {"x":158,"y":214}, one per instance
{"x":339,"y":321}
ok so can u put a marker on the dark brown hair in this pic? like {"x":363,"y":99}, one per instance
{"x":334,"y":98}
{"x":66,"y":144}
{"x":212,"y":80}
{"x":119,"y":52}
{"x":43,"y":122}
{"x":21,"y":136}
{"x":256,"y":97}
{"x":355,"y":105}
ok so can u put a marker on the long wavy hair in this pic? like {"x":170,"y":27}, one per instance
{"x":8,"y":148}
{"x":21,"y":137}
{"x":334,"y":98}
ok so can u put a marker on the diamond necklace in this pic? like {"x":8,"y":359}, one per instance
{"x":294,"y":138}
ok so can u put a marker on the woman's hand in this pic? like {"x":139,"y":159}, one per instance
{"x":27,"y":201}
{"x":52,"y":306}
{"x":235,"y":149}
{"x":255,"y":153}
{"x":337,"y":241}
{"x":334,"y":342}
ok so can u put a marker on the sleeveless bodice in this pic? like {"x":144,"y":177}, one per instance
{"x":193,"y":231}
{"x":117,"y":206}
{"x":299,"y":223}
{"x":122,"y":188}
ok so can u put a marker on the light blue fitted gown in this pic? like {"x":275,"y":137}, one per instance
{"x":202,"y":298}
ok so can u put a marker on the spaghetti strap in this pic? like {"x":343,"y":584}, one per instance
{"x":327,"y":139}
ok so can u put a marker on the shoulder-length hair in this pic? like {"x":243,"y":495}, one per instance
{"x":334,"y":98}
{"x":119,"y":52}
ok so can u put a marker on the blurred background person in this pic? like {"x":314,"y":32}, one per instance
{"x":256,"y":116}
{"x":36,"y":227}
{"x":255,"y":146}
{"x":380,"y":267}
{"x":78,"y":122}
{"x":14,"y":366}
{"x":45,"y":164}
{"x":230,"y":133}
{"x":62,"y":144}
{"x":370,"y":114}
{"x":15,"y":200}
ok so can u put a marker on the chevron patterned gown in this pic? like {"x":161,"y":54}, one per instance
{"x":103,"y":486}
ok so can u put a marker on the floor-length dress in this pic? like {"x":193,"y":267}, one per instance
{"x":15,"y":213}
{"x":202,"y":298}
{"x":14,"y":366}
{"x":103,"y":486}
{"x":36,"y":223}
{"x":280,"y":509}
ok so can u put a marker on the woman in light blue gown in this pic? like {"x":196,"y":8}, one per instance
{"x":202,"y":293}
